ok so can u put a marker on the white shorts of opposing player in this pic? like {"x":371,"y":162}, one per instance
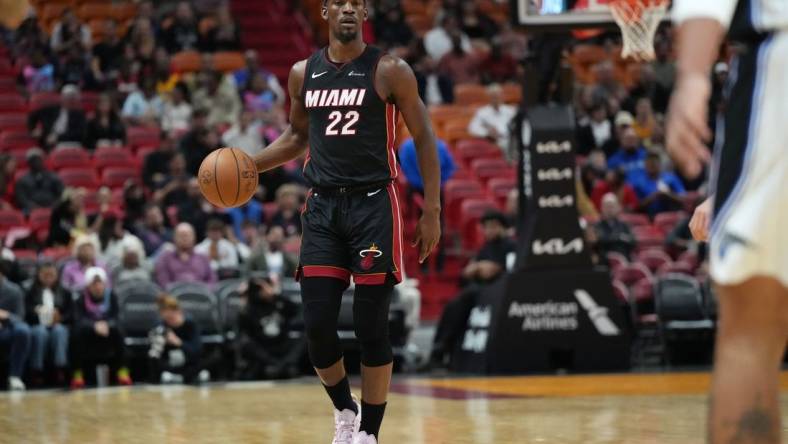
{"x":749,"y":236}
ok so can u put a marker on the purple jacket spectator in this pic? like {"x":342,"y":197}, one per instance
{"x":73,"y":275}
{"x":182,"y":263}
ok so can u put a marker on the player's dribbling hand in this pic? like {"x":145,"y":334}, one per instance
{"x":699,"y":224}
{"x":687,"y":129}
{"x":428,"y":234}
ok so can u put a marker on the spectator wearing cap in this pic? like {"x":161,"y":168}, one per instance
{"x":38,"y":188}
{"x":14,"y":332}
{"x":176,"y":345}
{"x":144,"y":107}
{"x":68,"y":219}
{"x":73,"y":276}
{"x":613,"y":235}
{"x":70,"y":32}
{"x":631,"y":155}
{"x":48,"y":311}
{"x":181,"y":263}
{"x":182,"y":34}
{"x":492,"y":121}
{"x":106,"y":127}
{"x":96,"y":337}
{"x":490,"y":262}
{"x":222,"y":252}
{"x":658,"y":190}
{"x":65,"y":122}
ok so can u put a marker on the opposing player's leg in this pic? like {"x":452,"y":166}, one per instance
{"x":751,"y":339}
{"x":749,"y":261}
{"x":324,"y":275}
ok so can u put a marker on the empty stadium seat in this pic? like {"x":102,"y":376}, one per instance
{"x":471,"y":210}
{"x":69,"y":158}
{"x":43,"y":100}
{"x":138,"y":313}
{"x":105,"y":157}
{"x":679,"y":307}
{"x":677,"y":268}
{"x":455,"y":191}
{"x":621,"y":291}
{"x":116,"y":177}
{"x":142,"y":136}
{"x":79,"y":177}
{"x":653,"y":259}
{"x":470,"y":94}
{"x":185,"y":61}
{"x":228,"y":61}
{"x":486,"y":169}
{"x":471,"y":149}
{"x":13,"y":122}
{"x":512,"y":93}
{"x":648,"y":237}
{"x":13,"y":140}
{"x":456,"y":130}
{"x":616,"y":260}
{"x":199,"y":302}
{"x":499,"y":188}
{"x":634,"y":219}
{"x":629,"y":274}
{"x":11,"y":219}
{"x":668,"y":221}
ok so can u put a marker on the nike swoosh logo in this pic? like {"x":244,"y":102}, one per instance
{"x":373,"y":193}
{"x":314,"y":75}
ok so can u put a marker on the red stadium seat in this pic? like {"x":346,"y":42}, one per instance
{"x":16,"y":140}
{"x":39,"y":219}
{"x":116,"y":177}
{"x":486,"y":169}
{"x":631,"y":273}
{"x":470,"y":149}
{"x":69,"y":158}
{"x":11,"y":219}
{"x":689,"y":257}
{"x":43,"y":100}
{"x":471,"y":211}
{"x":616,"y":260}
{"x":634,"y":219}
{"x":648,"y":237}
{"x":89,"y":101}
{"x":621,"y":291}
{"x":105,"y":157}
{"x":13,"y":122}
{"x":653,"y":259}
{"x":141,"y":136}
{"x":79,"y":177}
{"x":677,"y":267}
{"x":501,"y":187}
{"x":455,"y":191}
{"x":12,"y":103}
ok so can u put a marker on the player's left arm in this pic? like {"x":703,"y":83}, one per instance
{"x":397,"y":84}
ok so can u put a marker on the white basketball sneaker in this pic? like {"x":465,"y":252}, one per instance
{"x":363,"y":438}
{"x":16,"y":384}
{"x":346,"y":424}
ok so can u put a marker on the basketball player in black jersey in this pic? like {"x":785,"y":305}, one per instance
{"x":345,"y":100}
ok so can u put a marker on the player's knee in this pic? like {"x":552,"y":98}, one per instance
{"x":322,"y":297}
{"x":370,"y":316}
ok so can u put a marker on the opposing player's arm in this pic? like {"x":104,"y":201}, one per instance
{"x":293,"y":141}
{"x":701,"y":28}
{"x":397,"y":83}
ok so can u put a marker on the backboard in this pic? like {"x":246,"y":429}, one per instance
{"x":546,"y":15}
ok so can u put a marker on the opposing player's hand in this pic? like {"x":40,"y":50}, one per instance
{"x":701,"y":219}
{"x":428,"y":234}
{"x":687,"y":129}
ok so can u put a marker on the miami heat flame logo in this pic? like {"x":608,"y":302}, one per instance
{"x":369,"y":256}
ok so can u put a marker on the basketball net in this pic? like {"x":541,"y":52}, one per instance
{"x":638,"y":20}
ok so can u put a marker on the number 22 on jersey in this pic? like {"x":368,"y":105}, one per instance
{"x":335,"y":118}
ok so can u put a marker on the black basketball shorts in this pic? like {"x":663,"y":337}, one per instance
{"x":357,"y":232}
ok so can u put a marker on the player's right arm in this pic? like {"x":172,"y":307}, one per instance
{"x":293,"y":141}
{"x":701,"y":28}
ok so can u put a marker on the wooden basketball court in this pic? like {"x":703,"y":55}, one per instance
{"x":632,"y":409}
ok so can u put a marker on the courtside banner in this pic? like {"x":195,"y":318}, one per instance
{"x":549,"y":232}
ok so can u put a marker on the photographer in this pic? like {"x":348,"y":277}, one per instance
{"x":175,"y":346}
{"x":264,"y":324}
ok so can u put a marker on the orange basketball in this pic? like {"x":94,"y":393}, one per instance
{"x":228,"y":177}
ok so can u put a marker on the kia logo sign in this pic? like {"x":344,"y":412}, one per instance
{"x":557,"y":247}
{"x":553,"y":147}
{"x":554,"y":174}
{"x":556,"y":201}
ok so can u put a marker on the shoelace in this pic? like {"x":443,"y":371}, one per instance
{"x":344,"y":432}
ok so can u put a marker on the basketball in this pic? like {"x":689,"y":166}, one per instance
{"x":228,"y":177}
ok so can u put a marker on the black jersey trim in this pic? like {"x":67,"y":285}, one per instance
{"x":340,"y":66}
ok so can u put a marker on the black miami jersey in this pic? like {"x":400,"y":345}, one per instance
{"x":351,"y":129}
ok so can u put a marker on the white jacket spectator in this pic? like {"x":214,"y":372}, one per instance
{"x":222,"y":253}
{"x":492,"y":121}
{"x":177,"y":113}
{"x":246,"y":135}
{"x":437,"y":42}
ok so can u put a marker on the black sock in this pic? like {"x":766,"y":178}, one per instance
{"x":371,"y":417}
{"x":341,"y":397}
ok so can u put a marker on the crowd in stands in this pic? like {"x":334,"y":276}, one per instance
{"x":123,"y":93}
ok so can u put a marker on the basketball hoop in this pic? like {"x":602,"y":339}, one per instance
{"x":638,"y":20}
